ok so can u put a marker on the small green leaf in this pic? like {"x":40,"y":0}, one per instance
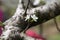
{"x":42,"y":2}
{"x":1,"y":24}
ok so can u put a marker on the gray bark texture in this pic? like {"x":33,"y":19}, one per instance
{"x":17,"y":22}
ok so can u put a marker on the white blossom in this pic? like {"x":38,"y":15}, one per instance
{"x":27,"y":17}
{"x":34,"y":17}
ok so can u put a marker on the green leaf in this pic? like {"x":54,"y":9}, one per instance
{"x":1,"y":24}
{"x":42,"y":2}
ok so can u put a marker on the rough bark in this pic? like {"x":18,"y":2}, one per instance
{"x":44,"y":13}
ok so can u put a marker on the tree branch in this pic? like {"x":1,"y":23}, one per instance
{"x":44,"y":13}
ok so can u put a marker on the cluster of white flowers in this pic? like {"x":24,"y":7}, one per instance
{"x":31,"y":15}
{"x":34,"y":17}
